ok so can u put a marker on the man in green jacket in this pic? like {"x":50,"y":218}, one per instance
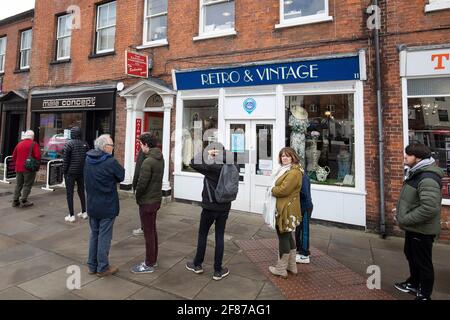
{"x":148,"y":197}
{"x":418,"y":213}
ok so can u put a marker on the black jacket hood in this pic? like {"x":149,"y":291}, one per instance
{"x":75,"y":133}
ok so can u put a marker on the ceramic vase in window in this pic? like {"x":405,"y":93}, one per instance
{"x":312,"y":154}
{"x":343,"y":160}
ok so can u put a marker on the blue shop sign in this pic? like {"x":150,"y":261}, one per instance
{"x":336,"y":69}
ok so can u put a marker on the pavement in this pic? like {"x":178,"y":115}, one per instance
{"x":37,"y":247}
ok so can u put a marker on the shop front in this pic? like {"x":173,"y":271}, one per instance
{"x":314,"y":106}
{"x":425,"y":73}
{"x":55,"y":112}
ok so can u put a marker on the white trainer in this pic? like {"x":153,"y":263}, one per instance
{"x":69,"y":218}
{"x":138,"y":232}
{"x":83,"y":215}
{"x":301,"y":258}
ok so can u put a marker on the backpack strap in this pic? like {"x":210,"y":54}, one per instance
{"x":31,"y":149}
{"x":207,"y":189}
{"x":414,"y":182}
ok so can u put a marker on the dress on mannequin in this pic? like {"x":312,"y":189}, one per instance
{"x":298,"y":121}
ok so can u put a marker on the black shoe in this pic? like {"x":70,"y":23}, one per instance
{"x":406,"y":287}
{"x":192,"y":267}
{"x":422,"y":297}
{"x":16,"y":203}
{"x":26,"y":203}
{"x":219,"y":275}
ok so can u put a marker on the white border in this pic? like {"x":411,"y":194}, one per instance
{"x":436,"y":5}
{"x":322,"y":17}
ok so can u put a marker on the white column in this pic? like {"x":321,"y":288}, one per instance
{"x":168,"y":105}
{"x":129,"y":142}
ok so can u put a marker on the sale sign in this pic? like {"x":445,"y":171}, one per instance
{"x":137,"y":145}
{"x":136,"y":64}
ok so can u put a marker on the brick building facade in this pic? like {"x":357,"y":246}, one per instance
{"x":265,"y":35}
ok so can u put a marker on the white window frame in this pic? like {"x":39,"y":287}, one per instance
{"x":435,"y":5}
{"x":322,"y":17}
{"x":98,"y":29}
{"x":25,"y":50}
{"x":59,"y":37}
{"x":214,"y":34}
{"x":155,"y":43}
{"x":3,"y":54}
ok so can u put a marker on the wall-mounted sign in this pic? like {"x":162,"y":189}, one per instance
{"x":427,"y":62}
{"x":136,"y":64}
{"x":346,"y":68}
{"x":137,"y":145}
{"x":73,"y":101}
{"x":249,"y":105}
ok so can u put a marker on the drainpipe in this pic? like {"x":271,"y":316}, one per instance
{"x":380,"y":128}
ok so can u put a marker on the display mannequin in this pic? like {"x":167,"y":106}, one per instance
{"x":312,"y":155}
{"x":343,"y":160}
{"x":298,"y":121}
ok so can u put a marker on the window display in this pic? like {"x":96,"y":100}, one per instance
{"x":54,"y":131}
{"x":321,"y":130}
{"x":199,"y":122}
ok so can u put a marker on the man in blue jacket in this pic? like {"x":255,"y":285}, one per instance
{"x":102,"y":173}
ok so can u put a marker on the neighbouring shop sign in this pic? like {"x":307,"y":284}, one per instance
{"x":137,"y":145}
{"x":73,"y":101}
{"x":10,"y":168}
{"x":336,"y":69}
{"x":427,"y":63}
{"x":136,"y":64}
{"x":55,"y":174}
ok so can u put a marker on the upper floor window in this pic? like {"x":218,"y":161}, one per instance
{"x":155,"y":24}
{"x":434,"y":5}
{"x":25,"y":49}
{"x":2,"y":54}
{"x":106,"y":27}
{"x":64,"y":37}
{"x":216,"y":17}
{"x":297,"y":12}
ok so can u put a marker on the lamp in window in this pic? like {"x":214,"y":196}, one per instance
{"x":288,"y":2}
{"x":226,"y":14}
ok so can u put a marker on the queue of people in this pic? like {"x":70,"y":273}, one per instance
{"x":97,"y":172}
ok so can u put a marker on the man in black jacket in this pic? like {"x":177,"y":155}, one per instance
{"x":74,"y":156}
{"x":213,"y":212}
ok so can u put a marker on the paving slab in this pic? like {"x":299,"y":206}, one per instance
{"x":108,"y":288}
{"x":153,"y":294}
{"x":270,"y":292}
{"x":234,"y":288}
{"x":19,"y":253}
{"x":15,"y":293}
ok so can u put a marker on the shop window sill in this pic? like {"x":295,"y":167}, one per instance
{"x":154,"y":44}
{"x":303,"y":21}
{"x":101,"y":55}
{"x":60,"y":61}
{"x":442,"y":5}
{"x":207,"y":36}
{"x":22,"y":70}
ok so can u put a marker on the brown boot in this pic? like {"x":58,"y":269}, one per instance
{"x":25,"y":203}
{"x":280,"y":268}
{"x":292,"y":265}
{"x":108,"y":272}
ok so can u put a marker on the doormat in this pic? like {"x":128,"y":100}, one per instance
{"x":322,"y":279}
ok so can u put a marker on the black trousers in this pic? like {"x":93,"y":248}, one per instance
{"x":70,"y":185}
{"x":206,"y":220}
{"x":418,"y":252}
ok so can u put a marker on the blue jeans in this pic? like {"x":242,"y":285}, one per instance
{"x":302,"y":235}
{"x":99,"y":244}
{"x":206,"y":220}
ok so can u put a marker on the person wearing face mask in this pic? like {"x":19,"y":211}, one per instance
{"x":287,"y":182}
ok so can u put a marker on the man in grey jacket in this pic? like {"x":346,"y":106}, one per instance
{"x":418,"y":213}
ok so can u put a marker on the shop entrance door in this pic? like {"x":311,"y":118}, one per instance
{"x":253,"y":140}
{"x":98,"y":123}
{"x":15,"y":124}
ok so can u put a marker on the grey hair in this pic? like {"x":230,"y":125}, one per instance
{"x":29,"y":134}
{"x":102,"y":141}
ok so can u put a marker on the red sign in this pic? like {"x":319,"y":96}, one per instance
{"x":137,"y":145}
{"x":136,"y":64}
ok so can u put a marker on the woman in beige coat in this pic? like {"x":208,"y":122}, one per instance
{"x":286,"y":189}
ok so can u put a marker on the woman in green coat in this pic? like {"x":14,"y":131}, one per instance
{"x":287,"y":182}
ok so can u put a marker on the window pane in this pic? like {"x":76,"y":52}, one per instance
{"x":158,"y":28}
{"x":111,"y":37}
{"x":431,"y":86}
{"x":2,"y":60}
{"x":264,"y":152}
{"x":302,"y":8}
{"x":106,"y":39}
{"x":219,"y":16}
{"x":156,"y":6}
{"x":199,"y":121}
{"x":26,"y":40}
{"x":103,"y":16}
{"x":321,"y":130}
{"x":54,"y":130}
{"x":25,"y":59}
{"x":429,"y":123}
{"x":112,"y":14}
{"x":2,"y":45}
{"x":64,"y":47}
{"x":64,"y":27}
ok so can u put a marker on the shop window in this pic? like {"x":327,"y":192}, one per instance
{"x":64,"y":37}
{"x":428,"y":121}
{"x":199,"y":128}
{"x":2,"y":54}
{"x":54,"y":131}
{"x":106,"y":27}
{"x":435,"y":5}
{"x":25,"y":49}
{"x":297,"y":12}
{"x":155,"y":28}
{"x":321,"y":130}
{"x":216,"y":17}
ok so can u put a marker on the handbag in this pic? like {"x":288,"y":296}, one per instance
{"x":31,"y":163}
{"x":269,"y":209}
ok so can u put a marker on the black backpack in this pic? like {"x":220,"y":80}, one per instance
{"x":227,"y":186}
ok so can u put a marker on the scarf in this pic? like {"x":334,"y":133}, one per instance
{"x":419,"y":165}
{"x":279,"y":172}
